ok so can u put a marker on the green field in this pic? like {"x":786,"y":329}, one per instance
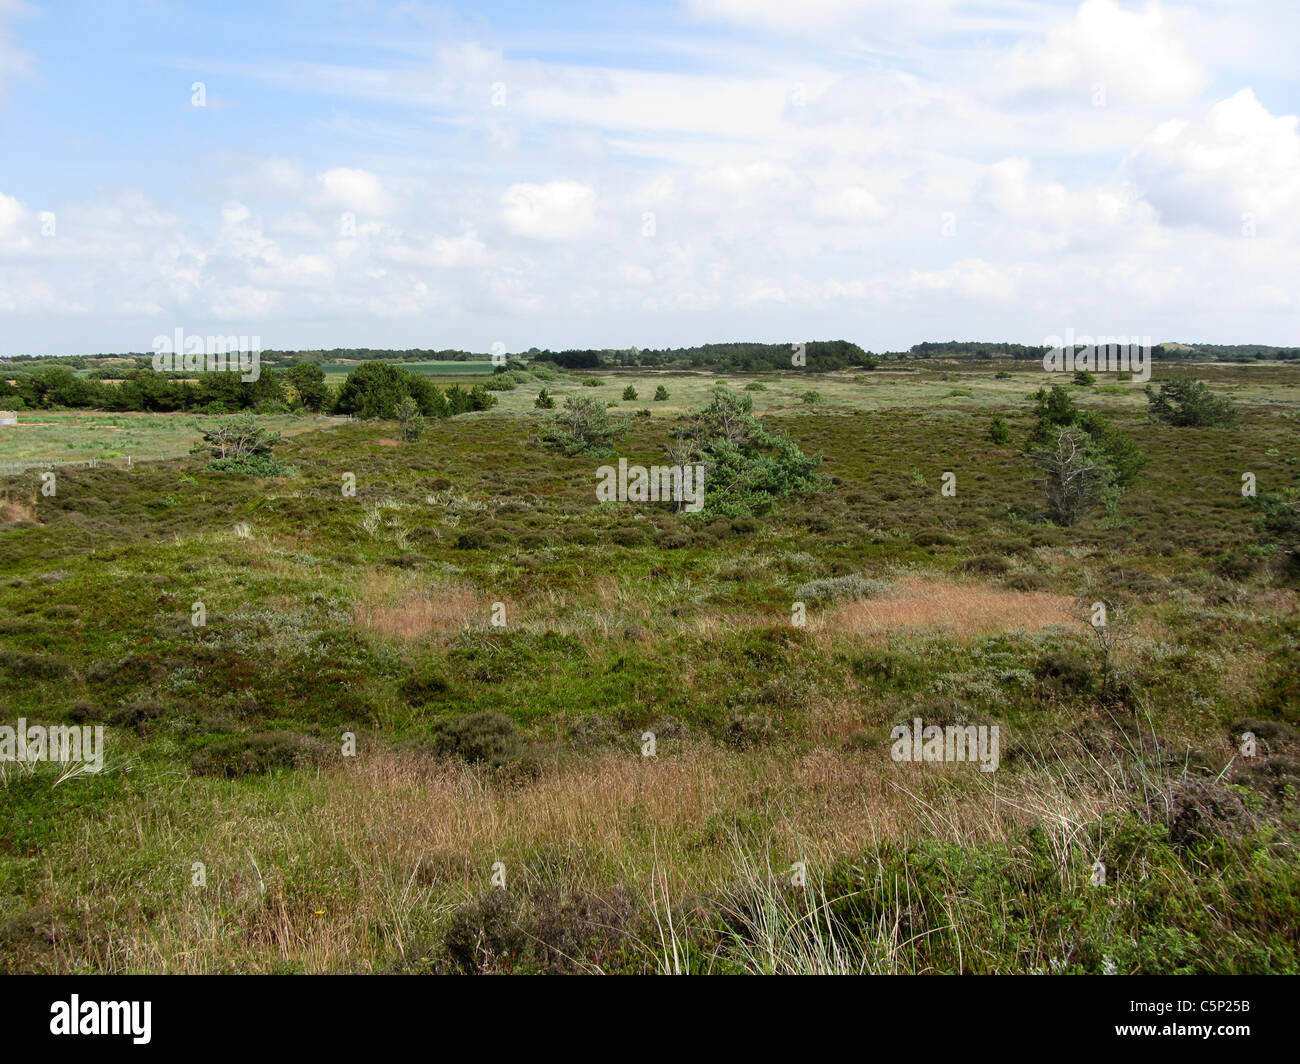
{"x":373,"y":615}
{"x":54,"y":436}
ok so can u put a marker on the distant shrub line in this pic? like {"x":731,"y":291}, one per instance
{"x":372,"y":390}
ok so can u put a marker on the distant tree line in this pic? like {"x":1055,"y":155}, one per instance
{"x":1233,"y":353}
{"x":1165,"y":352}
{"x":95,"y":367}
{"x":975,"y":349}
{"x":372,"y":390}
{"x":819,"y":356}
{"x":54,"y":386}
{"x":368,"y":354}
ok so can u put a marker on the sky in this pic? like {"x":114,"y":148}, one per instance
{"x":324,"y":173}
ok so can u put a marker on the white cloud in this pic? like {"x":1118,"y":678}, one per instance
{"x":412,"y":300}
{"x":851,"y":204}
{"x":353,"y":190}
{"x":30,"y":295}
{"x":970,"y":278}
{"x":558,"y":210}
{"x":755,"y":291}
{"x":464,"y":250}
{"x":11,"y":214}
{"x":513,"y":294}
{"x":282,"y":174}
{"x":299,"y":271}
{"x":809,"y":15}
{"x":242,"y":237}
{"x":769,"y":211}
{"x":1239,"y":160}
{"x":299,"y":224}
{"x":1132,"y":56}
{"x":243,"y":302}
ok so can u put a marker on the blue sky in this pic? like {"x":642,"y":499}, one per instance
{"x":555,"y":175}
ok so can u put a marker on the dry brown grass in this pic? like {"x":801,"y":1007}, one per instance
{"x":960,"y":610}
{"x":398,"y":606}
{"x":17,"y":511}
{"x":366,"y":856}
{"x":401,"y":606}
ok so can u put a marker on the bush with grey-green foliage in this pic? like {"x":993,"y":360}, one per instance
{"x":583,"y":426}
{"x":841,"y":589}
{"x":410,"y":419}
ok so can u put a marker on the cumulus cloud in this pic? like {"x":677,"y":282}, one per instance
{"x":557,"y":210}
{"x":1123,"y":56}
{"x":766,"y":208}
{"x":446,"y":252}
{"x":11,"y":214}
{"x":970,"y":278}
{"x":353,"y":190}
{"x":1238,"y":160}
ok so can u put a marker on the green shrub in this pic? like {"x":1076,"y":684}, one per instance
{"x":473,"y":539}
{"x":749,"y":464}
{"x":20,"y":666}
{"x":374,"y":389}
{"x":254,"y":466}
{"x":486,"y":936}
{"x":138,"y":714}
{"x":410,"y":419}
{"x":1189,"y":403}
{"x":934,"y":537}
{"x":240,"y":445}
{"x":259,"y":752}
{"x":479,"y":738}
{"x":988,"y":564}
{"x":581,"y":427}
{"x":1279,"y":522}
{"x":1065,"y":673}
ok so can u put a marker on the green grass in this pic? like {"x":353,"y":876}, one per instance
{"x":54,"y":436}
{"x":371,"y":614}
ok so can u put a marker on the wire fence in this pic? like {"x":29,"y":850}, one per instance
{"x":22,"y":465}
